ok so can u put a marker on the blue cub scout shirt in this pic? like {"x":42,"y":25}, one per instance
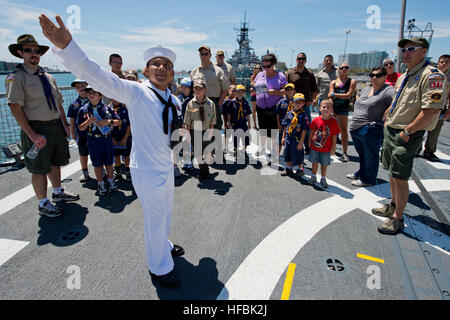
{"x":239,"y":110}
{"x":302,"y":124}
{"x":282,"y":108}
{"x":120,"y":110}
{"x":72,"y":112}
{"x":103,"y":111}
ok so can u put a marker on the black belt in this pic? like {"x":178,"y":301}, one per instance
{"x":45,"y":123}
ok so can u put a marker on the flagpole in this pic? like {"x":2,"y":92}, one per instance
{"x":346,"y":38}
{"x":400,"y":35}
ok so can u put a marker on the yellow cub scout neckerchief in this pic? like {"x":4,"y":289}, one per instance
{"x":294,"y":121}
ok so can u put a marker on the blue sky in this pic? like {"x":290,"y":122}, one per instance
{"x":284,"y":27}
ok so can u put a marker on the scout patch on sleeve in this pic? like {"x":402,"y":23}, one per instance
{"x":436,"y":97}
{"x":436,"y":84}
{"x":10,"y":77}
{"x":436,"y":77}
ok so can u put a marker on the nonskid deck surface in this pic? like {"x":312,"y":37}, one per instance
{"x":248,"y":234}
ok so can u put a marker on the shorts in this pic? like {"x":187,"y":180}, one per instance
{"x":244,"y":138}
{"x":83,"y":150}
{"x":55,"y":152}
{"x":342,"y":111}
{"x":267,"y":119}
{"x":123,"y":152}
{"x":204,"y":143}
{"x":398,"y":155}
{"x":101,"y":151}
{"x":319,"y":157}
{"x":291,"y":154}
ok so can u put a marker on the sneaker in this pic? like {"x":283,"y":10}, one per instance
{"x":352,"y":176}
{"x":65,"y":196}
{"x":117,"y":173}
{"x":391,"y":226}
{"x":49,"y":210}
{"x":84,"y":176}
{"x":323,"y":182}
{"x":312,"y":181}
{"x":113,"y":187}
{"x":287,"y":172}
{"x":102,"y":189}
{"x":176,"y":172}
{"x":344,"y":158}
{"x":188,"y":167}
{"x":386,"y":211}
{"x":359,"y":183}
{"x":300,"y":172}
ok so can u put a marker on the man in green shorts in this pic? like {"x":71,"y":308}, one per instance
{"x":418,"y":99}
{"x":36,"y":104}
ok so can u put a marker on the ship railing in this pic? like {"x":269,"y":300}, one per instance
{"x":10,"y":130}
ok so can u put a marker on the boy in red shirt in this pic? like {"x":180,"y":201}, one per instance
{"x":322,"y":140}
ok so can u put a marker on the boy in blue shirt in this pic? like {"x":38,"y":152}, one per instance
{"x":295,"y":126}
{"x":97,"y":120}
{"x":121,"y":137}
{"x":226,"y":112}
{"x":238,"y":117}
{"x":78,"y":135}
{"x":282,"y":108}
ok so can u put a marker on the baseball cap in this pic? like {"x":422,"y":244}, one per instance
{"x":220,"y":52}
{"x":204,"y":46}
{"x":419,"y":41}
{"x":240,"y":87}
{"x":289,"y":85}
{"x":199,"y":83}
{"x":186,"y":82}
{"x":298,"y":96}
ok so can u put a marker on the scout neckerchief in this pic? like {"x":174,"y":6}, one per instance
{"x":405,"y":81}
{"x":294,"y":121}
{"x":290,"y":106}
{"x":241,"y":110}
{"x":45,"y":84}
{"x":165,"y":115}
{"x":116,"y":109}
{"x":95,"y":113}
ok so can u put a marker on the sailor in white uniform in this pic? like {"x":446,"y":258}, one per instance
{"x":151,"y":163}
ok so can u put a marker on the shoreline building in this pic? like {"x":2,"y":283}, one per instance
{"x":364,"y":60}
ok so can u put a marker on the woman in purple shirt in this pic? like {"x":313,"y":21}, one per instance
{"x":269,"y":88}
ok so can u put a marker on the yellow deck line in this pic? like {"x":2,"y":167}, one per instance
{"x":363,"y":256}
{"x":288,"y":282}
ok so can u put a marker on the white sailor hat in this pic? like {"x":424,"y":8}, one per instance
{"x":159,"y":52}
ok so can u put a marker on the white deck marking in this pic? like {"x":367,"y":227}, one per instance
{"x":445,"y":161}
{"x":257,"y":276}
{"x":13,"y":200}
{"x":8,"y":248}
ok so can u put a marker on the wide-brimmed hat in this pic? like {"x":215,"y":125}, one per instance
{"x":28,"y":40}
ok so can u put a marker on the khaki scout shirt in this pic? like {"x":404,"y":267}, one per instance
{"x":425,"y":89}
{"x":25,"y":88}
{"x":193,"y":113}
{"x":216,"y":80}
{"x":229,"y":71}
{"x":324,"y":79}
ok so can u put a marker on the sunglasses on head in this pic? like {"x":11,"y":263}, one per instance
{"x":29,"y":50}
{"x":344,"y":68}
{"x":377,"y":75}
{"x":410,"y":49}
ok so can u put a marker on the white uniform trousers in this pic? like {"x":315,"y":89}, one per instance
{"x":155,"y":193}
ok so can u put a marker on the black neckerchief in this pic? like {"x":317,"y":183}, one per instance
{"x":165,"y":115}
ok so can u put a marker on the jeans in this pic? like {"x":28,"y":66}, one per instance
{"x":308,"y":116}
{"x":367,"y":141}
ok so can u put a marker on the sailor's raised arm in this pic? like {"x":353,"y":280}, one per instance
{"x":76,"y":61}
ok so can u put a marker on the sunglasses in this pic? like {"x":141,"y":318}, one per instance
{"x":344,"y":68}
{"x":29,"y":50}
{"x":221,"y":55}
{"x":377,"y":75}
{"x":301,"y":58}
{"x":204,"y":54}
{"x":268,"y":66}
{"x":410,"y":49}
{"x":388,"y":64}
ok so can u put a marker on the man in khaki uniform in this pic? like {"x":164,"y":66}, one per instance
{"x":216,"y":81}
{"x":226,"y":67}
{"x":324,"y":77}
{"x":418,"y":100}
{"x":36,"y":104}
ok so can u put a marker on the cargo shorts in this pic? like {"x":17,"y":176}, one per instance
{"x":54,"y":153}
{"x":398,"y":155}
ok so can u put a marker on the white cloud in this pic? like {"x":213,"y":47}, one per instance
{"x":163,"y":35}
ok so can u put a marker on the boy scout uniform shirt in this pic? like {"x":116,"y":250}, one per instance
{"x":283,"y":107}
{"x":24,"y":87}
{"x":425,"y":89}
{"x":228,"y":70}
{"x":324,"y":79}
{"x":72,"y":112}
{"x":215,"y":79}
{"x":119,"y":132}
{"x":193,"y":113}
{"x":88,"y":111}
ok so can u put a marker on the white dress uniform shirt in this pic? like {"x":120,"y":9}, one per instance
{"x":151,"y":161}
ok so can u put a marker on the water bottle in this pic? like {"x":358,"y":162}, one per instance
{"x":33,"y":152}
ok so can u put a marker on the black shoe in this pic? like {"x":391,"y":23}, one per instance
{"x":287,"y":172}
{"x":177,"y":251}
{"x":431,"y":156}
{"x":168,"y":280}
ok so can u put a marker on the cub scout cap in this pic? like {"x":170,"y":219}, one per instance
{"x":159,"y":51}
{"x":298,"y":96}
{"x":131,"y":73}
{"x":204,"y":46}
{"x":186,"y":82}
{"x":419,"y":41}
{"x":77,"y":81}
{"x":240,"y":87}
{"x":289,"y":85}
{"x":199,"y":83}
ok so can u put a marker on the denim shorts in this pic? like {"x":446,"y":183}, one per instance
{"x":319,"y":157}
